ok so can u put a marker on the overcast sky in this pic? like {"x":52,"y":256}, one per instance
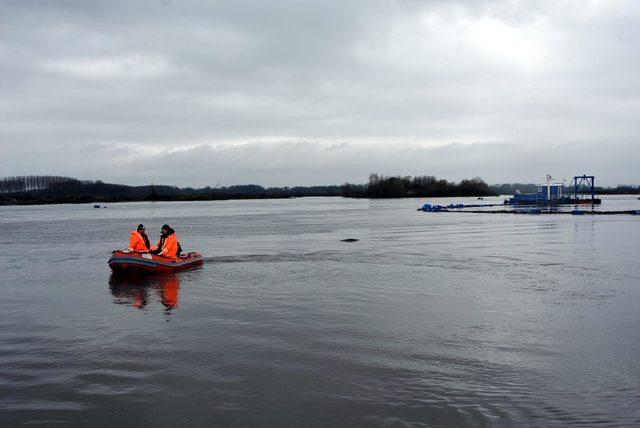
{"x":319,"y":92}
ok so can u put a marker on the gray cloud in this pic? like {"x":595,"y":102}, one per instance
{"x":195,"y":93}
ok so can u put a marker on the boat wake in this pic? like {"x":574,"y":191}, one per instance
{"x":275,"y":258}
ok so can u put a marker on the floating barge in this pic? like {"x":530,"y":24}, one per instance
{"x":581,"y":192}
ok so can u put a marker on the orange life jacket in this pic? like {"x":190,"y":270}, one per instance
{"x":169,"y":246}
{"x":136,"y":242}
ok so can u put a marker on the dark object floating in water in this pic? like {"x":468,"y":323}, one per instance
{"x":481,"y":199}
{"x":96,"y":206}
{"x":350,"y":240}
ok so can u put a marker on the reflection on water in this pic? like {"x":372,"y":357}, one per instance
{"x":136,"y":290}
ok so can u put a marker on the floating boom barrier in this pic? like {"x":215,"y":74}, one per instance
{"x":461,"y":208}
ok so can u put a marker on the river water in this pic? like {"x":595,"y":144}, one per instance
{"x":430,"y":319}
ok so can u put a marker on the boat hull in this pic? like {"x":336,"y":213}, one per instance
{"x":132,"y":262}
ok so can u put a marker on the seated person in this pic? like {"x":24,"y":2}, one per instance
{"x":139,"y":242}
{"x":168,"y":245}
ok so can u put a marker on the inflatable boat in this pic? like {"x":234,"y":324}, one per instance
{"x":132,"y":262}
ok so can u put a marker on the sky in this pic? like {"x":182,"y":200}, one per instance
{"x":284,"y":93}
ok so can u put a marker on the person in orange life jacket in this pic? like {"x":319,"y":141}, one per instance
{"x":139,"y":241}
{"x":168,"y":245}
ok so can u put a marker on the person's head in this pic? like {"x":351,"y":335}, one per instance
{"x":141,"y":228}
{"x":165,"y":229}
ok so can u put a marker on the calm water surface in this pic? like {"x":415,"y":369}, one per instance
{"x":428,"y":320}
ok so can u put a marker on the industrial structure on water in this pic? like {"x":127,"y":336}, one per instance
{"x":581,"y":191}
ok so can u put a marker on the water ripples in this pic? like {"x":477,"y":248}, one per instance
{"x":427,"y":320}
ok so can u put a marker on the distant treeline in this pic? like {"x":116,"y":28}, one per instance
{"x":618,"y":190}
{"x":54,"y":189}
{"x":381,"y":186}
{"x":30,"y":183}
{"x":512,"y":188}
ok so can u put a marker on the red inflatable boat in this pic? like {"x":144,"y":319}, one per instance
{"x":123,"y":262}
